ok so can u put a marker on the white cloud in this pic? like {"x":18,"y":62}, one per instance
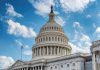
{"x":5,"y":62}
{"x":92,"y":0}
{"x":76,"y":49}
{"x":42,"y":6}
{"x":74,"y":5}
{"x":11,"y":11}
{"x":60,"y":21}
{"x":97,"y":33}
{"x":77,"y":25}
{"x":27,"y":52}
{"x":80,"y":40}
{"x":17,"y":29}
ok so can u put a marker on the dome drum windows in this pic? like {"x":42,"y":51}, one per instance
{"x":51,"y":39}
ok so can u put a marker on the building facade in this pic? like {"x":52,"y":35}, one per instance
{"x":52,"y":51}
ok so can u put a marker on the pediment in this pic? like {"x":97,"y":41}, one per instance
{"x":18,"y":63}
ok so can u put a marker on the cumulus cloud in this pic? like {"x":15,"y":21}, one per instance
{"x":81,"y":40}
{"x":17,"y":29}
{"x":43,"y":6}
{"x":11,"y":11}
{"x":60,"y":21}
{"x":27,"y":52}
{"x":5,"y":62}
{"x":74,"y":5}
{"x":76,"y":49}
{"x":97,"y":33}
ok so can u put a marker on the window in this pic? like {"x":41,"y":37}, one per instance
{"x":61,"y":66}
{"x":55,"y":28}
{"x":51,"y":68}
{"x":67,"y":65}
{"x":52,"y":38}
{"x":55,"y":67}
{"x":46,"y":38}
{"x":55,"y":38}
{"x":58,"y":38}
{"x":52,"y":28}
{"x":73,"y":64}
{"x":43,"y":39}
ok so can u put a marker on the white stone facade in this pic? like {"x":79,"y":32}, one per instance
{"x":95,"y":49}
{"x":52,"y":52}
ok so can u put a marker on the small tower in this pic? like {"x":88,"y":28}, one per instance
{"x":95,"y":49}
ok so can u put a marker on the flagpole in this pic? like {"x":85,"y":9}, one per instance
{"x":21,"y":52}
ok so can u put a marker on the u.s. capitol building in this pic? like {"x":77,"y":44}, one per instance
{"x":52,"y":52}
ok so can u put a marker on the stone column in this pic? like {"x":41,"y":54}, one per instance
{"x":41,"y":67}
{"x":40,"y":51}
{"x":58,"y":50}
{"x":27,"y":68}
{"x":37,"y":67}
{"x":44,"y":50}
{"x":33,"y":68}
{"x":47,"y":50}
{"x":51,"y":50}
{"x":93,"y":61}
{"x":54,"y":50}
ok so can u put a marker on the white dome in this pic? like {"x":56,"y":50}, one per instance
{"x":51,"y":41}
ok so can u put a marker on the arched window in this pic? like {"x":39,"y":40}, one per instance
{"x":58,"y":38}
{"x":51,"y":68}
{"x":61,"y":66}
{"x":55,"y":67}
{"x":41,"y":39}
{"x":52,"y":28}
{"x":61,"y":39}
{"x":52,"y":38}
{"x":73,"y":64}
{"x":55,"y":38}
{"x":67,"y":65}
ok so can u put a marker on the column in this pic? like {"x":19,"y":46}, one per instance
{"x":40,"y":51}
{"x":54,"y":50}
{"x":33,"y":68}
{"x":58,"y":50}
{"x":37,"y":67}
{"x":47,"y":50}
{"x":93,"y":61}
{"x":44,"y":50}
{"x":27,"y":68}
{"x":41,"y":67}
{"x":51,"y":50}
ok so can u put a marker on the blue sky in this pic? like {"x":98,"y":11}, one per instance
{"x":21,"y":20}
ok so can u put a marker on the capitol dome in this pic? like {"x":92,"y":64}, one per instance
{"x":51,"y":41}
